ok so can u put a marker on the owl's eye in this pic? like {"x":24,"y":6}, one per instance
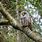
{"x":23,"y":14}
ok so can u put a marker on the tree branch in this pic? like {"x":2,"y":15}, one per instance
{"x":4,"y":22}
{"x":17,"y":25}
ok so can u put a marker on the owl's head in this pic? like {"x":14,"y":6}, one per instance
{"x":24,"y":13}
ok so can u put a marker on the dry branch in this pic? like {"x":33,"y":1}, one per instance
{"x":17,"y":25}
{"x":4,"y":22}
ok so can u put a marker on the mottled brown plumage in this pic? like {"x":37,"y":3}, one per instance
{"x":26,"y":20}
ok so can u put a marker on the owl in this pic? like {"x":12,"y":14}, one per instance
{"x":25,"y":19}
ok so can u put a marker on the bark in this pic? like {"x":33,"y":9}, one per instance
{"x":17,"y":25}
